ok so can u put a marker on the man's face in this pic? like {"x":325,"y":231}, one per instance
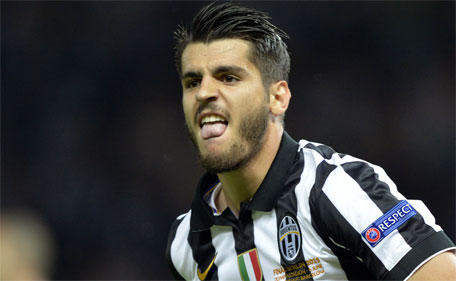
{"x":225,"y":104}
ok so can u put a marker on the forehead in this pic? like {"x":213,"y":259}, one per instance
{"x":198,"y":56}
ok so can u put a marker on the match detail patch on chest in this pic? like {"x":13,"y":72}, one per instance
{"x":289,"y":238}
{"x":387,"y":223}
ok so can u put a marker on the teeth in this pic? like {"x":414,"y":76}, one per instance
{"x":211,"y":119}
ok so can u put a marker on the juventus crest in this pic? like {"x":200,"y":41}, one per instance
{"x":289,"y":239}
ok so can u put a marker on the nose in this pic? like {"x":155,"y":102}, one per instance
{"x":208,"y":90}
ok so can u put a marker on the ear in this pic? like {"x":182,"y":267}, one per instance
{"x":279,"y":98}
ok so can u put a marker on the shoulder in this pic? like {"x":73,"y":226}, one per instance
{"x":179,"y":221}
{"x":359,"y":212}
{"x":345,"y":183}
{"x":331,"y":171}
{"x":324,"y":153}
{"x":180,"y":226}
{"x":178,"y":249}
{"x":326,"y":162}
{"x":315,"y":148}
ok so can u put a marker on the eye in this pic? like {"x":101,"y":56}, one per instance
{"x":230,"y":79}
{"x":191,"y":83}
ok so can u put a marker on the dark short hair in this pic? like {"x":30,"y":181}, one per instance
{"x":224,"y":21}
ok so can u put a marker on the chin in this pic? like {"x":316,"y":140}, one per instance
{"x":229,"y":158}
{"x":213,"y":151}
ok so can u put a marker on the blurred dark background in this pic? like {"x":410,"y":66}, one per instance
{"x":92,"y":131}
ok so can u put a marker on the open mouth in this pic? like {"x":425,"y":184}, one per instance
{"x":212,"y":126}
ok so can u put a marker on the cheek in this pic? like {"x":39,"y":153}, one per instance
{"x":187,"y":108}
{"x":252,"y":102}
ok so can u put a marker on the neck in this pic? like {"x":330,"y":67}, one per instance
{"x":240,"y":185}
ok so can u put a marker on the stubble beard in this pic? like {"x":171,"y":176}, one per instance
{"x":252,"y":133}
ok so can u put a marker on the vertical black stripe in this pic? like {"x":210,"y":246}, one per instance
{"x":379,"y":192}
{"x":328,"y":222}
{"x":172,"y":235}
{"x":243,"y":233}
{"x":286,"y":212}
{"x":203,"y":251}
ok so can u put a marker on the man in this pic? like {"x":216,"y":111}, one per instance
{"x":270,"y":208}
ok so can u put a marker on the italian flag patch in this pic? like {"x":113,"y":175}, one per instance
{"x":249,"y":266}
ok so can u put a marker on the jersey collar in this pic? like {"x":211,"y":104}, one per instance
{"x":264,"y":199}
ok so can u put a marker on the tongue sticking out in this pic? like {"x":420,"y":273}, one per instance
{"x":212,"y":130}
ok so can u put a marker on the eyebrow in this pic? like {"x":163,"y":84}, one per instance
{"x":220,"y":69}
{"x":190,"y":74}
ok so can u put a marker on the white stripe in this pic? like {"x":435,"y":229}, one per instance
{"x":181,"y":252}
{"x":312,"y":244}
{"x":347,"y":196}
{"x":303,"y":143}
{"x":265,"y":231}
{"x":226,"y":260}
{"x":181,"y":216}
{"x":360,"y":211}
{"x":315,"y":157}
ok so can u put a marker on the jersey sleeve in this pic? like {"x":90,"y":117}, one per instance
{"x":171,"y":237}
{"x":360,"y":214}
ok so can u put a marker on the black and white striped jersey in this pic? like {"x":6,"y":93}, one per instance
{"x":318,"y":214}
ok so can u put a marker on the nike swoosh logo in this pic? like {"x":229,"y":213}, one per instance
{"x":203,"y":275}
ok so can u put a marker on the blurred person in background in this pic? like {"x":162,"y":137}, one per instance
{"x":271,"y":208}
{"x":27,"y":246}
